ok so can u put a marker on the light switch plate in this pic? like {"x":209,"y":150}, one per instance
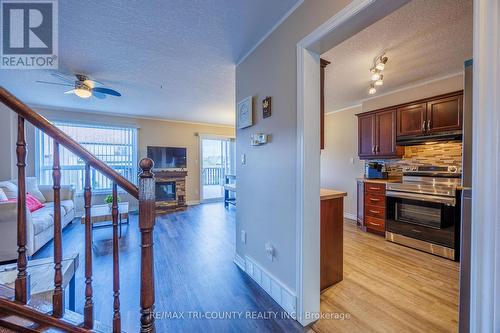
{"x":243,"y":237}
{"x":243,"y":159}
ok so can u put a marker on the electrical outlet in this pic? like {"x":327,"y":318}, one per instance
{"x":270,"y":251}
{"x":243,"y":237}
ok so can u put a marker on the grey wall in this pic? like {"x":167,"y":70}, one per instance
{"x":267,"y":184}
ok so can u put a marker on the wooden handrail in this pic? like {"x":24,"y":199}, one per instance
{"x":66,"y":141}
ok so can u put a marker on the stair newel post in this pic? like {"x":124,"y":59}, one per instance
{"x":58,"y":296}
{"x":116,"y":264}
{"x":147,"y":216}
{"x":22,"y":284}
{"x":88,"y":309}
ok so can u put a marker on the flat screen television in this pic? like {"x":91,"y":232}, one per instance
{"x":167,"y":157}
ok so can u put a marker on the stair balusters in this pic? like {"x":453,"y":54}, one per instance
{"x":22,"y":284}
{"x":58,"y":296}
{"x":88,"y":309}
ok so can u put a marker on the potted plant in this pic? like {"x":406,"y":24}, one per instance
{"x":109,"y":200}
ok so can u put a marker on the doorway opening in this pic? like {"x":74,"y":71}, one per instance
{"x":217,"y":163}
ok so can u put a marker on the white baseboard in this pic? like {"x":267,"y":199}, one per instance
{"x":350,"y":216}
{"x":193,"y":202}
{"x":276,"y":289}
{"x":239,"y":261}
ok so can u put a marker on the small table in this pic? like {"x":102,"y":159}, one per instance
{"x":41,"y":273}
{"x":102,"y":213}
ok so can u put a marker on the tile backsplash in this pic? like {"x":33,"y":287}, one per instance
{"x":440,"y":154}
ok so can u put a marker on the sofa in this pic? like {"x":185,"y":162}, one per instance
{"x":39,"y":224}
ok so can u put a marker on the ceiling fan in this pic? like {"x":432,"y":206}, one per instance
{"x":83,"y":87}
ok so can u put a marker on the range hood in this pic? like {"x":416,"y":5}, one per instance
{"x":414,"y":140}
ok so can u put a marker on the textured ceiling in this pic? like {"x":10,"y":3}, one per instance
{"x":424,"y":39}
{"x":171,"y":59}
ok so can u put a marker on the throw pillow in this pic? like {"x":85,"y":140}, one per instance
{"x":3,"y":197}
{"x":32,"y":203}
{"x":9,"y":188}
{"x":32,"y":188}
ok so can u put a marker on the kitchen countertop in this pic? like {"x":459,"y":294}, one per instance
{"x":383,"y":181}
{"x":327,"y":194}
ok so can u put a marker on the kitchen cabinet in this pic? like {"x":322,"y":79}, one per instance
{"x":331,"y":237}
{"x":377,"y":135}
{"x":374,"y":207}
{"x":445,"y":114}
{"x":411,"y":119}
{"x":323,"y":64}
{"x":433,"y":115}
{"x":360,"y":203}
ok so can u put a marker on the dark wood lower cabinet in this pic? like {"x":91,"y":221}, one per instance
{"x":332,"y":241}
{"x":371,"y":206}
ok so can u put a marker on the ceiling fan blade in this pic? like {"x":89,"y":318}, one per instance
{"x":70,"y":91}
{"x":99,"y":95}
{"x":63,"y":77}
{"x":107,"y":91}
{"x":56,"y":83}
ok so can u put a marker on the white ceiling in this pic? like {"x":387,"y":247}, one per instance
{"x":424,"y":40}
{"x":171,"y":59}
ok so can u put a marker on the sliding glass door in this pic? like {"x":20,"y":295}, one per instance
{"x":217,"y":158}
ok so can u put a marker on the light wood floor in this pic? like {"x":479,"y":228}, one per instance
{"x":391,"y":288}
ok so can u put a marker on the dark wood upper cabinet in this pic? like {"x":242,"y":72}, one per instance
{"x":366,"y":135}
{"x":386,"y":133}
{"x":445,"y":114}
{"x":323,"y":64}
{"x":377,"y":135}
{"x":411,"y":119}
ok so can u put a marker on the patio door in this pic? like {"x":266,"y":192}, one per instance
{"x":217,"y":159}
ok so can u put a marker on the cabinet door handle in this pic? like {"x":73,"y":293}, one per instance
{"x":374,"y":188}
{"x":373,"y":149}
{"x":428,"y":125}
{"x":423,"y":126}
{"x":374,"y":211}
{"x":373,"y":199}
{"x":377,"y":224}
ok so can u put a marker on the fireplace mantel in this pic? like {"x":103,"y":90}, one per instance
{"x":171,"y":176}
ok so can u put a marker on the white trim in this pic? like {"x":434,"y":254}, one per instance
{"x":273,"y":286}
{"x":193,"y":202}
{"x":308,"y":147}
{"x":239,"y":261}
{"x":350,"y":216}
{"x":344,"y":109}
{"x":38,"y":107}
{"x":485,"y":223}
{"x":283,"y":18}
{"x":400,"y":89}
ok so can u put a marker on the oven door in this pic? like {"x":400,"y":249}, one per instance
{"x":432,"y":221}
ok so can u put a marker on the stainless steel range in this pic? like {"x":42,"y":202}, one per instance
{"x":423,"y":211}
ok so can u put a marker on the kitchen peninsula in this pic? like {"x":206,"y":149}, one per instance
{"x":332,"y":233}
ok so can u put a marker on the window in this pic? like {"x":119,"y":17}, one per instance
{"x":116,"y":146}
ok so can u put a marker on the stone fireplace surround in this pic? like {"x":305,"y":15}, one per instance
{"x":167,"y":205}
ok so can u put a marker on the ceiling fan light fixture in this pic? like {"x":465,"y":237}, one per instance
{"x":83,"y":93}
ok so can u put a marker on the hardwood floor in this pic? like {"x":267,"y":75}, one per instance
{"x":386,"y":287}
{"x":194,"y":272}
{"x":391,"y":288}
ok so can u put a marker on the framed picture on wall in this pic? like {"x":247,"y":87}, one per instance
{"x":244,"y":113}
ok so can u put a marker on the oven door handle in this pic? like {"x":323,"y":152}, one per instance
{"x":422,"y":197}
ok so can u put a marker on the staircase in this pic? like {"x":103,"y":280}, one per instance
{"x":17,"y":313}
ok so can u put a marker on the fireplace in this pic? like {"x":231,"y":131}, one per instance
{"x":170,"y":190}
{"x":165,"y":191}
